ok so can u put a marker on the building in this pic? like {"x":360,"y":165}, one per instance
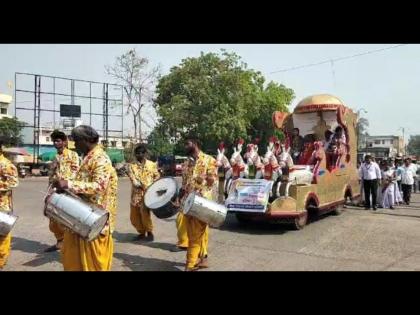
{"x":44,"y":136}
{"x":5,"y":101}
{"x":45,"y":140}
{"x":117,"y":142}
{"x":383,"y":146}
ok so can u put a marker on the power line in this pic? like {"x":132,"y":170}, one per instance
{"x":337,"y":59}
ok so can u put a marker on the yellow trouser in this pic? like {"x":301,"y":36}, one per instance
{"x":80,"y":255}
{"x":57,"y":229}
{"x":198,"y":238}
{"x":181,"y":227}
{"x":141,"y":219}
{"x":4,"y":249}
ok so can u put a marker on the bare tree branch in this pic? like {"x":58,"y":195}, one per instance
{"x":131,"y":70}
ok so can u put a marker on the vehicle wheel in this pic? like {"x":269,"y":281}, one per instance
{"x":243,"y":218}
{"x":338,"y":210}
{"x":300,"y":222}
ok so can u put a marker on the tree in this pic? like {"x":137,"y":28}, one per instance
{"x":275,"y":97}
{"x":361,"y":130}
{"x":132,"y":71}
{"x":159,"y":142}
{"x":10,"y":130}
{"x":217,"y":98}
{"x":413,"y":146}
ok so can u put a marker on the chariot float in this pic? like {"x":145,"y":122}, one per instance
{"x":312,"y":173}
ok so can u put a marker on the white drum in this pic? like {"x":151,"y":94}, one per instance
{"x":79,"y":216}
{"x":160,"y":197}
{"x":205,"y":210}
{"x":7,"y":222}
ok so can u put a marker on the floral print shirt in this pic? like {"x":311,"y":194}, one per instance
{"x":145,"y":173}
{"x":96,"y":182}
{"x":200,"y":176}
{"x":65,"y":166}
{"x":8,"y":181}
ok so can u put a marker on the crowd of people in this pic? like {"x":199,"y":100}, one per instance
{"x":389,"y":183}
{"x":93,"y":178}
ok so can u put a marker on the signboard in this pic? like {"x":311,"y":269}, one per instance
{"x":249,"y":195}
{"x":70,"y":110}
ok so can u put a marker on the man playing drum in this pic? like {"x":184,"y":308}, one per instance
{"x":64,"y":166}
{"x":96,"y":182}
{"x":142,"y":174}
{"x":8,"y":181}
{"x":181,"y":225}
{"x":199,"y":176}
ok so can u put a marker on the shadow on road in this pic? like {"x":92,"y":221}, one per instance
{"x":254,"y":227}
{"x":124,"y":237}
{"x":164,"y":246}
{"x":42,"y":259}
{"x":400,"y":215}
{"x":29,"y":246}
{"x":138,"y":263}
{"x":131,"y":238}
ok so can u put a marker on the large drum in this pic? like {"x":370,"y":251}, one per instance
{"x":161,"y":196}
{"x":7,"y":222}
{"x":205,"y":210}
{"x":79,"y":216}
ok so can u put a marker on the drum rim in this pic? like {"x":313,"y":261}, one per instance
{"x":160,"y":179}
{"x":92,"y":235}
{"x":191,"y":196}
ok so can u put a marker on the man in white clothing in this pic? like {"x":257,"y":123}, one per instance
{"x":407,"y":179}
{"x":370,"y":174}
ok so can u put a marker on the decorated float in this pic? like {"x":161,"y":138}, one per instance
{"x":313,"y":171}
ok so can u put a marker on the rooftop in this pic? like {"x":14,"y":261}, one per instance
{"x":4,"y":98}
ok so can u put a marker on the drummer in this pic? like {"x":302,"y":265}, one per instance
{"x":142,"y":174}
{"x":8,"y":181}
{"x":65,"y":166}
{"x":96,"y":182}
{"x":199,"y":176}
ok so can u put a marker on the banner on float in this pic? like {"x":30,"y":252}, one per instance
{"x":249,"y":195}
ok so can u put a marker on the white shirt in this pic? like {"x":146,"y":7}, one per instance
{"x":370,"y":171}
{"x":407,"y":176}
{"x":415,"y":168}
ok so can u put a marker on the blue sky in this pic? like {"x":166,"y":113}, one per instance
{"x":386,"y":84}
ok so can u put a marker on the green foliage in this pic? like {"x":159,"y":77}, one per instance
{"x":217,"y":98}
{"x":10,"y":130}
{"x":413,"y":146}
{"x":158,"y":143}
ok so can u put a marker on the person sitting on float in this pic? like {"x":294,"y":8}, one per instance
{"x":296,"y":145}
{"x":307,"y":150}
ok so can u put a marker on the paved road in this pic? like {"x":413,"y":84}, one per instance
{"x":355,"y":240}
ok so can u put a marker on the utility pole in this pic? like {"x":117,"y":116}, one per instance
{"x":404,"y":146}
